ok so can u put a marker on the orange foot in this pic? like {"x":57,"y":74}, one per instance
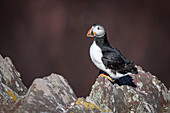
{"x":103,"y":75}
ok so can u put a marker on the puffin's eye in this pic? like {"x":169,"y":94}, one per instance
{"x":98,"y":28}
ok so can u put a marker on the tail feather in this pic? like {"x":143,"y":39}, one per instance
{"x":126,"y":80}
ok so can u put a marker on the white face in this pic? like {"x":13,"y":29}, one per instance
{"x":98,"y":31}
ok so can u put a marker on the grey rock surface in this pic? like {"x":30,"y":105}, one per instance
{"x":49,"y":94}
{"x":54,"y":94}
{"x":11,"y":86}
{"x":150,"y":95}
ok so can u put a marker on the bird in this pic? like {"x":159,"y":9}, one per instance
{"x":110,"y":61}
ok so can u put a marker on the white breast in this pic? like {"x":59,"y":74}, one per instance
{"x":96,"y":57}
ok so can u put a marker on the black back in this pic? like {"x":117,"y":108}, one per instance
{"x":113,"y":59}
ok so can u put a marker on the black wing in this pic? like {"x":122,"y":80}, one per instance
{"x":113,"y":59}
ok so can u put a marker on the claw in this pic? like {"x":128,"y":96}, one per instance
{"x":106,"y":77}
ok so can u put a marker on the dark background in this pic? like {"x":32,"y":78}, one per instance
{"x":46,"y":36}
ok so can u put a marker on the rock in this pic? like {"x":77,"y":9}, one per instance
{"x":150,"y":95}
{"x":49,"y":94}
{"x":82,"y":105}
{"x":54,"y":94}
{"x":11,"y":86}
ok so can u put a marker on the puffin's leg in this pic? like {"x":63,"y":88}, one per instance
{"x":126,"y":80}
{"x":104,"y":74}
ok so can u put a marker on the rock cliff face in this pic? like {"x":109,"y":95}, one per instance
{"x":11,"y":86}
{"x":53,"y":94}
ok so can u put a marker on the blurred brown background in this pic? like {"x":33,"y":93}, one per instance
{"x":46,"y":36}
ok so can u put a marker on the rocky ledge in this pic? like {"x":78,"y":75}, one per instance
{"x":54,"y":94}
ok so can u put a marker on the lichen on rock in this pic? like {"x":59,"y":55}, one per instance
{"x":54,"y":94}
{"x":149,"y":96}
{"x":11,"y":86}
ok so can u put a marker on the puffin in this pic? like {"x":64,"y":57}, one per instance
{"x":108,"y":59}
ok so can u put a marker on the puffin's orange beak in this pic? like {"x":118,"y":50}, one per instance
{"x":90,"y":32}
